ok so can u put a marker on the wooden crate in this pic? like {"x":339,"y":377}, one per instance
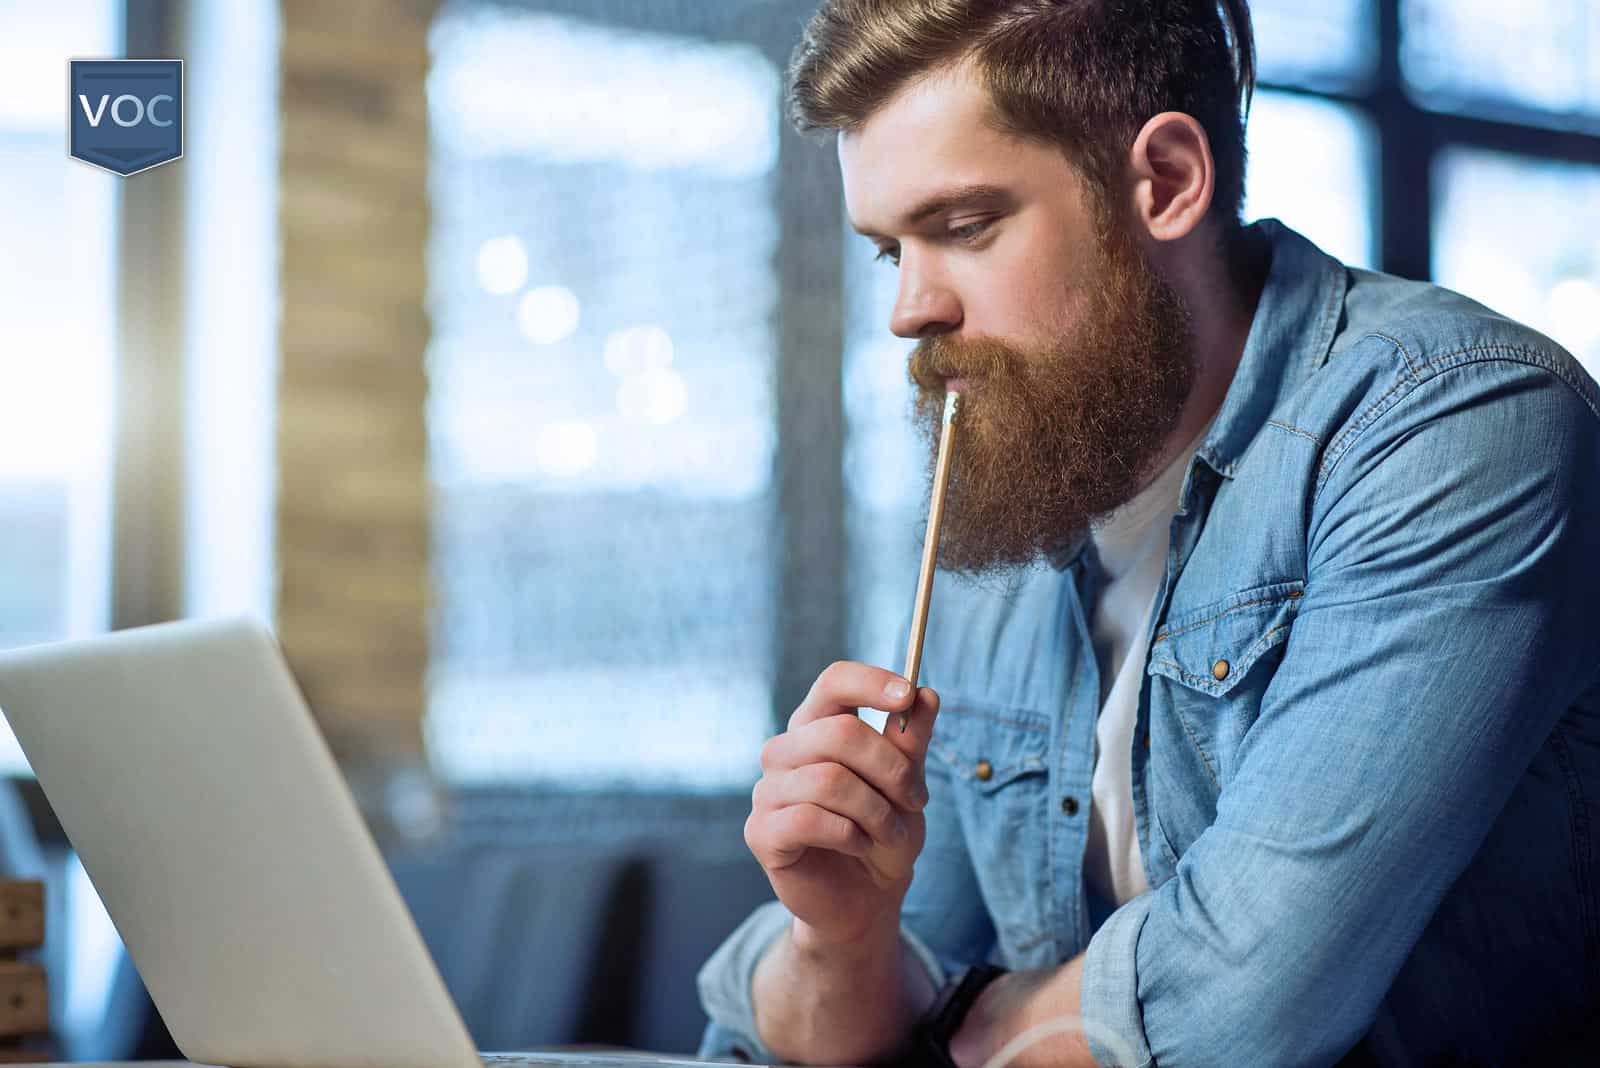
{"x":24,"y":991}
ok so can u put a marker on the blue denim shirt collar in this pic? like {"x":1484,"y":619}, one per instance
{"x":1290,"y":336}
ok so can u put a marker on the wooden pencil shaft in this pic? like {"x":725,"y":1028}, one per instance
{"x":930,"y":546}
{"x":930,"y":550}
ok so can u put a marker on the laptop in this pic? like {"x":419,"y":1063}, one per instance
{"x":206,"y":807}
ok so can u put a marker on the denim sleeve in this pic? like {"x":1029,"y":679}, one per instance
{"x":1447,"y":623}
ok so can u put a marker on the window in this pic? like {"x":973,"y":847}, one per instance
{"x":1456,"y":57}
{"x":1519,"y":235}
{"x":1330,"y":45}
{"x":602,"y":412}
{"x":1467,"y":161}
{"x":1312,"y":154}
{"x":57,"y":325}
{"x":1312,"y":165}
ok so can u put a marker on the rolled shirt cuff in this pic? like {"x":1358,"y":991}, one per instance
{"x":1109,"y":991}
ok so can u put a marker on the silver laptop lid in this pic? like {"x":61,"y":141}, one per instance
{"x":217,"y":829}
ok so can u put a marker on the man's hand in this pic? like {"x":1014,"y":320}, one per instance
{"x":836,"y":820}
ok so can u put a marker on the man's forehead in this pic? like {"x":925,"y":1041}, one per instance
{"x":933,"y":146}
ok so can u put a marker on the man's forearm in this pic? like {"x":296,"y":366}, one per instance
{"x":848,"y":1004}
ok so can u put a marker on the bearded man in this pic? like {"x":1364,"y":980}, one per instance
{"x":1263,"y":716}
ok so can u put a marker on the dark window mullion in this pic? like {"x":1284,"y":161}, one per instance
{"x":1405,"y":159}
{"x":810,"y":554}
{"x":1499,"y":136}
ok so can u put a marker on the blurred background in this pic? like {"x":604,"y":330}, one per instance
{"x":515,"y":361}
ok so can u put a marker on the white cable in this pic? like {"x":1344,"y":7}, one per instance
{"x":1063,"y":1025}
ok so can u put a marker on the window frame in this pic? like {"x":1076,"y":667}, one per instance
{"x":1411,"y":137}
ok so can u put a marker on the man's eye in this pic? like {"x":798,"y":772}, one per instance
{"x":971,"y":230}
{"x":890,"y":254}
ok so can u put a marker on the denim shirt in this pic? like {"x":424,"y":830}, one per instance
{"x":1366,"y":767}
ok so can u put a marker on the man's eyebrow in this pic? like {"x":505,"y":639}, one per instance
{"x":961,"y":196}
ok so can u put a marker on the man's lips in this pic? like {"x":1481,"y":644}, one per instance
{"x":956,"y":385}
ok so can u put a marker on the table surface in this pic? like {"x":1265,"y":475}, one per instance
{"x":192,"y":1064}
{"x":558,"y":1051}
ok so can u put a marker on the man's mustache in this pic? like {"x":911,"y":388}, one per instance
{"x":927,"y":367}
{"x":936,"y":360}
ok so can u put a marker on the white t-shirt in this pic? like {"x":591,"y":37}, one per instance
{"x":1132,"y":545}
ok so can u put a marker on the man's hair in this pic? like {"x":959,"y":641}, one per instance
{"x":1083,"y":75}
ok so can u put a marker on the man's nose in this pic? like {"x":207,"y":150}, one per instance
{"x":925,"y":304}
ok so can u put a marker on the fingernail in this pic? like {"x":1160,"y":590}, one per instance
{"x":896,"y":689}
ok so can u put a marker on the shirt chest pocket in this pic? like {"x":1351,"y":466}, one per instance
{"x":992,"y":763}
{"x":1209,"y":669}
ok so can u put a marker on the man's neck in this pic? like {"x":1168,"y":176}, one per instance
{"x":1222,"y":300}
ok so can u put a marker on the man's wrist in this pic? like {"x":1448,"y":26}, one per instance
{"x":943,"y":1019}
{"x":834,"y":1001}
{"x":870,"y":944}
{"x":986,"y":1025}
{"x":1017,"y":1002}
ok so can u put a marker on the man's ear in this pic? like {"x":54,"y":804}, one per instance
{"x":1173,"y":175}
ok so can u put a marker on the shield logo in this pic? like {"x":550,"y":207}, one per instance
{"x":127,"y":114}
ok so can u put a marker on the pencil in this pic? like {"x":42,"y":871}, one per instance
{"x":930,"y":547}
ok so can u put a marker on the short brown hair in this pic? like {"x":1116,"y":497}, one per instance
{"x":1083,"y":75}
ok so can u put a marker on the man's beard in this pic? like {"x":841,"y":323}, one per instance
{"x":1049,"y":441}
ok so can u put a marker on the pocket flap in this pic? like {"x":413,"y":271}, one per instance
{"x":1211,"y":648}
{"x":988,"y":745}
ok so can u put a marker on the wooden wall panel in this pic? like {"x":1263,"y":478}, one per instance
{"x":353,"y":502}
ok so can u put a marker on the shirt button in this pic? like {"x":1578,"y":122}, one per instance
{"x":1069,"y":805}
{"x":1220,"y":669}
{"x":984,"y":771}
